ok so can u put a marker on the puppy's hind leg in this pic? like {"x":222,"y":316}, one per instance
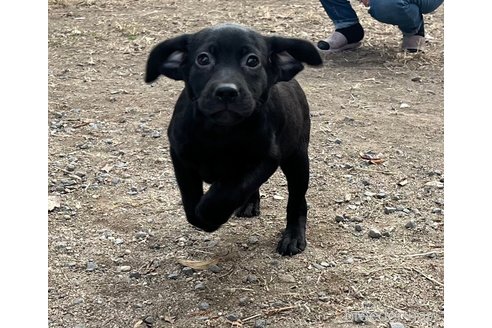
{"x":251,"y":208}
{"x":296,"y":170}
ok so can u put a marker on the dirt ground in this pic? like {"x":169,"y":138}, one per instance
{"x":117,"y":230}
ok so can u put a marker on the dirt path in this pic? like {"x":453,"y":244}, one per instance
{"x":117,"y":236}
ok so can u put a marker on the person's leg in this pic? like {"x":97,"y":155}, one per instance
{"x":340,"y":12}
{"x":348,"y":31}
{"x":407,"y":15}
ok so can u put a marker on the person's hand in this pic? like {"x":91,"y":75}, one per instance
{"x":365,"y":2}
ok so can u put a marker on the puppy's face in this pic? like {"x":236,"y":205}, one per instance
{"x":227,"y":72}
{"x":229,"y":69}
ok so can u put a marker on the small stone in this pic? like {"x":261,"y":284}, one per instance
{"x":91,"y":266}
{"x":203,"y":306}
{"x":358,"y":228}
{"x":396,"y":325}
{"x":115,"y":181}
{"x":70,"y":167}
{"x":338,"y":141}
{"x":141,"y":235}
{"x":125,"y":268}
{"x":389,"y":209}
{"x":318,"y":266}
{"x":404,"y":105}
{"x":155,"y":134}
{"x":215,"y":268}
{"x":416,"y":79}
{"x":173,"y":276}
{"x":348,"y":260}
{"x":200,"y":286}
{"x":118,"y":241}
{"x":437,"y":210}
{"x":381,"y":195}
{"x":386,"y":233}
{"x":287,"y":278}
{"x":232,"y":317}
{"x":328,"y":264}
{"x":243,"y":301}
{"x":359,"y":317}
{"x":260,"y":323}
{"x":187,"y":271}
{"x":78,"y":301}
{"x":410,"y":224}
{"x":374,"y":233}
{"x":369,"y":194}
{"x":150,"y":320}
{"x":435,"y":184}
{"x":340,"y":218}
{"x":403,"y":183}
{"x":358,"y":219}
{"x":135,"y":275}
{"x":253,"y":240}
{"x":250,"y":278}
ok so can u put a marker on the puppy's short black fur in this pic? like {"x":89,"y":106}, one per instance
{"x":240,"y":116}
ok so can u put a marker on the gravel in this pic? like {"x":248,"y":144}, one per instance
{"x":200,"y":286}
{"x":410,"y":224}
{"x":91,"y":266}
{"x":173,"y":276}
{"x":232,"y":317}
{"x":187,"y":271}
{"x":396,"y":325}
{"x":251,"y":279}
{"x":374,"y":233}
{"x":203,"y":306}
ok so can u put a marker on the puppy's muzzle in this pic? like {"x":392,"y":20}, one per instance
{"x":226,"y":92}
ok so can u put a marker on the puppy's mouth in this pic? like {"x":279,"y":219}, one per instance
{"x":226,"y":117}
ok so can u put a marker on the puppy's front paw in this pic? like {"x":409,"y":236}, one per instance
{"x":291,"y":243}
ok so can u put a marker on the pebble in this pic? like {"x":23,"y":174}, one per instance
{"x":374,"y":233}
{"x":125,"y":268}
{"x":389,"y":210}
{"x":260,"y":323}
{"x":91,"y":266}
{"x":150,"y":320}
{"x":135,"y":275}
{"x":338,"y":141}
{"x":317,"y":266}
{"x":348,"y":260}
{"x":410,"y":224}
{"x":215,"y":268}
{"x":203,"y":306}
{"x":253,"y":240}
{"x":187,"y":271}
{"x":140,"y":235}
{"x":155,"y":134}
{"x":232,"y":317}
{"x":243,"y":301}
{"x":328,"y":264}
{"x":386,"y":233}
{"x":358,"y":228}
{"x":118,"y":241}
{"x":340,"y":218}
{"x":359,"y":317}
{"x":396,"y":325}
{"x":288,"y":278}
{"x":250,"y":278}
{"x":437,"y":210}
{"x":435,"y":184}
{"x":173,"y":276}
{"x":381,"y":195}
{"x":200,"y":286}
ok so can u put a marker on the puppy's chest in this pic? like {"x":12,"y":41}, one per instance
{"x":216,"y":162}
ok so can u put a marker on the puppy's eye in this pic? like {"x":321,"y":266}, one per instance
{"x":252,"y":61}
{"x":203,"y":59}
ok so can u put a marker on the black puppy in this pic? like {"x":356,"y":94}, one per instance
{"x":240,"y":116}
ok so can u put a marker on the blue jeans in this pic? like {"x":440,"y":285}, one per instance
{"x":406,"y":14}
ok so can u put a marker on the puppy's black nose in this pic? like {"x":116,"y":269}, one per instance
{"x":226,"y":92}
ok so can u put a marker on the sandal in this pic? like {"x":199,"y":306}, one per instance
{"x":413,"y":43}
{"x":335,"y":43}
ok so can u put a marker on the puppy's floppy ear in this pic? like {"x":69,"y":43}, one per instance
{"x":288,"y":54}
{"x":166,"y":58}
